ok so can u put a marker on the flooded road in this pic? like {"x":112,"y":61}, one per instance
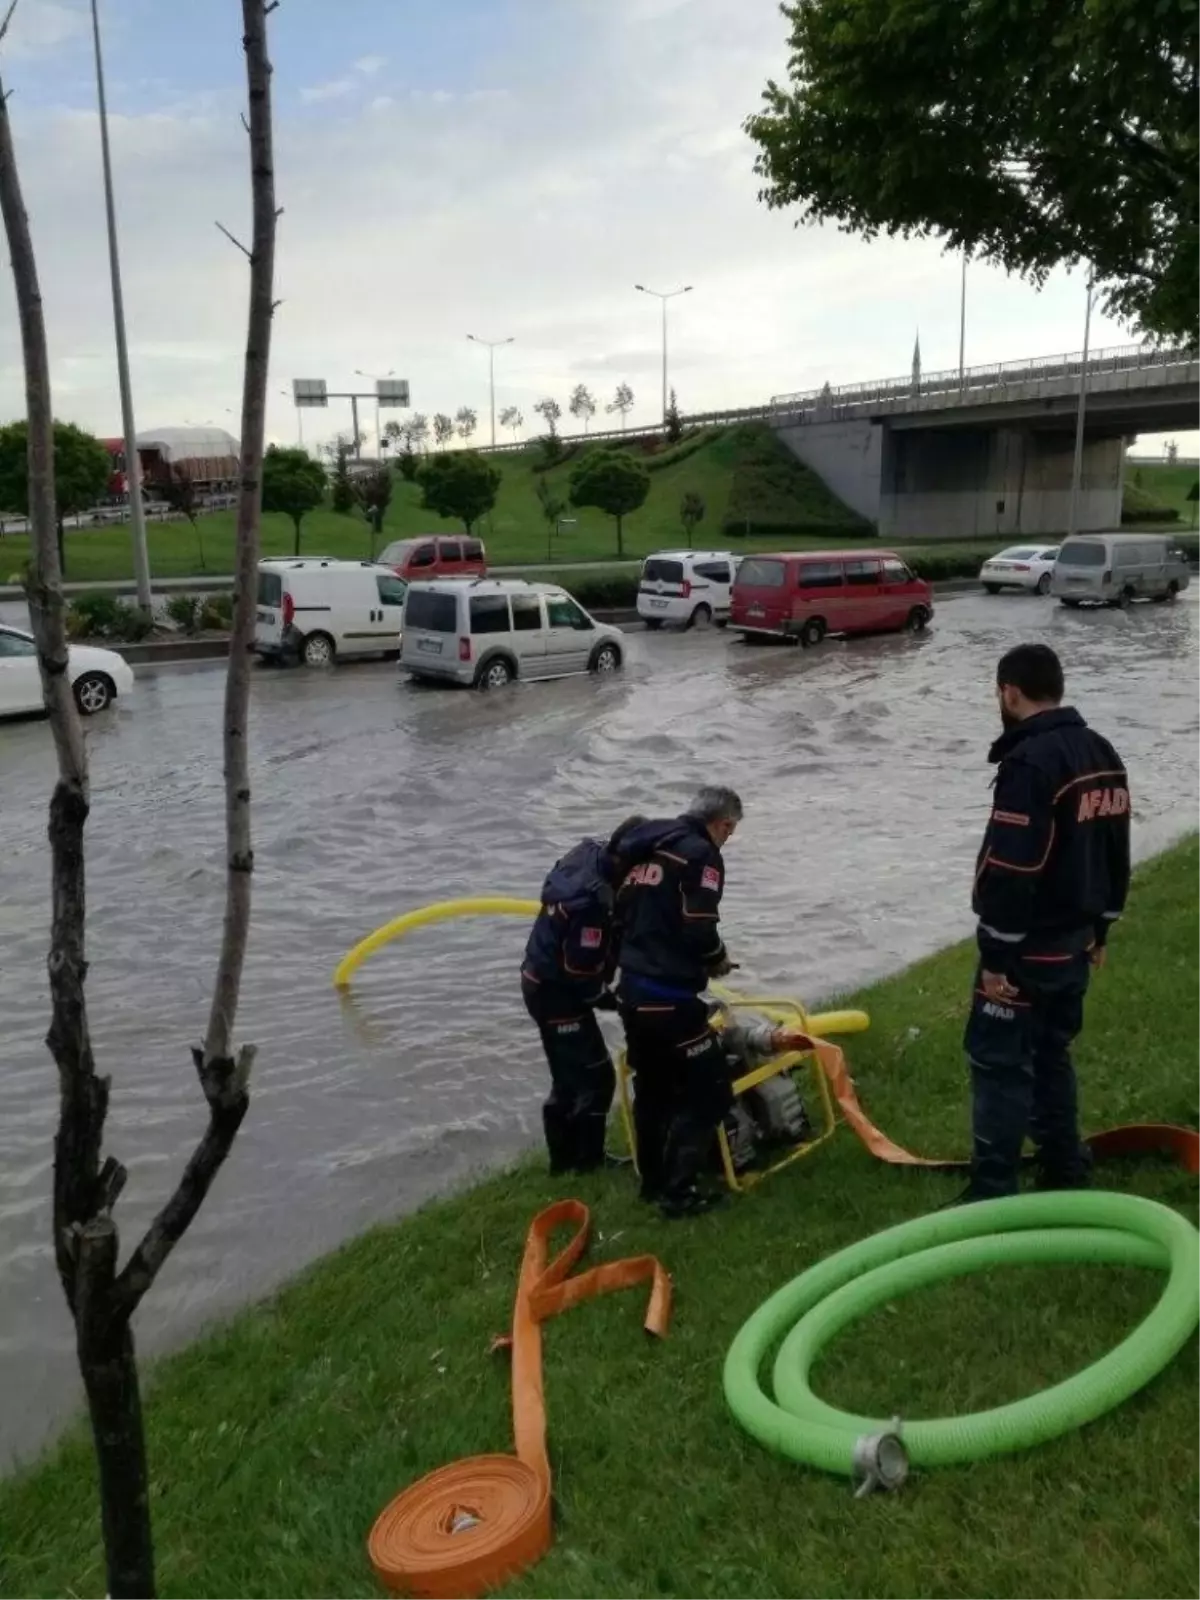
{"x":863,"y":770}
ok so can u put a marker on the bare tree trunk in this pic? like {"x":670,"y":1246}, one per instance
{"x":102,"y":1299}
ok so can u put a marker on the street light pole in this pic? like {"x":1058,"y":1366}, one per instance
{"x":375,"y":378}
{"x":962,"y":328}
{"x":492,"y":346}
{"x":137,"y":520}
{"x":663,"y":297}
{"x":1077,"y":464}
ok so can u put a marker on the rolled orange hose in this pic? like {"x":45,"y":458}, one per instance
{"x":469,"y":1526}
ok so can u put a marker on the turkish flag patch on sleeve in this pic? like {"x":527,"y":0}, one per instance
{"x":591,"y":938}
{"x":710,"y":878}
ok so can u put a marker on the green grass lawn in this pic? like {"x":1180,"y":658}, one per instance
{"x":1159,"y":483}
{"x":275,"y":1441}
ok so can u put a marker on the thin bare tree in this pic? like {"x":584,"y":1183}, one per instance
{"x":101,"y":1295}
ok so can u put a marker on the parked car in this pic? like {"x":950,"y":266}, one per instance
{"x":686,"y":587}
{"x":317,"y":610}
{"x":809,"y":594}
{"x":436,"y":556}
{"x":1024,"y":566}
{"x":97,"y":676}
{"x":1115,"y":568}
{"x":486,"y":633}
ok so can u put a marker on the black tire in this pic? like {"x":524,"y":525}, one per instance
{"x":1173,"y":590}
{"x":606,"y":658}
{"x":494,"y":674}
{"x":1126,"y":598}
{"x":918,"y":620}
{"x":812,"y":632}
{"x":94,"y":692}
{"x":653,"y":624}
{"x":700,"y":617}
{"x":1043,"y":584}
{"x":992,"y":588}
{"x":1071,"y":605}
{"x":317,"y":650}
{"x":722,"y":622}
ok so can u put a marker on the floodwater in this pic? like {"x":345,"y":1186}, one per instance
{"x":863,"y":770}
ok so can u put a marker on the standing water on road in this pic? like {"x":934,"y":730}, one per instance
{"x":863,"y":768}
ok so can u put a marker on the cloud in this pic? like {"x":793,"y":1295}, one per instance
{"x":333,"y":90}
{"x":369,"y":65}
{"x":42,"y":26}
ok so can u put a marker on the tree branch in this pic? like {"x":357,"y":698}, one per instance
{"x":237,"y":242}
{"x":8,"y":15}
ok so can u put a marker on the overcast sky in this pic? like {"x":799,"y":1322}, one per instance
{"x":498,"y":167}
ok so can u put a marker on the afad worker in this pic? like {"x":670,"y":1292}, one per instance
{"x":671,"y":946}
{"x":569,"y":961}
{"x":1051,"y":880}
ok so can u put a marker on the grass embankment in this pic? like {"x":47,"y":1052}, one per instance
{"x":742,"y":471}
{"x":1155,"y":489}
{"x":274,"y":1442}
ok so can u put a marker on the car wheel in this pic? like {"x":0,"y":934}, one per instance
{"x":495,"y":674}
{"x":722,"y":622}
{"x":94,"y":692}
{"x":1173,"y":590}
{"x":1043,"y":584}
{"x":606,"y":658}
{"x":1125,"y":599}
{"x":918,"y":620}
{"x":317,"y":650}
{"x":992,"y":588}
{"x":812,"y":632}
{"x":653,"y":624}
{"x":700,"y":617}
{"x":1071,"y":605}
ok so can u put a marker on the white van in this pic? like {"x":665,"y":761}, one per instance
{"x":1115,"y":568}
{"x":316,"y":610}
{"x":486,"y":632}
{"x":685,"y":587}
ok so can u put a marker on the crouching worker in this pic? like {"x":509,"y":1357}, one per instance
{"x":773,"y":1113}
{"x":569,"y":961}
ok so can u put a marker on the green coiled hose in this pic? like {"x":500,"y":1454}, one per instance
{"x":1035,"y":1229}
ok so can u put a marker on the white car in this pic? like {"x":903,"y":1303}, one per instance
{"x":97,"y":676}
{"x":686,"y":587}
{"x":1025,"y":566}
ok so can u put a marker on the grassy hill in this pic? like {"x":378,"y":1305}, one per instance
{"x":1157,"y":493}
{"x":751,"y":485}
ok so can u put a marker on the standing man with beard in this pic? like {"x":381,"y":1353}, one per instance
{"x":1051,"y":880}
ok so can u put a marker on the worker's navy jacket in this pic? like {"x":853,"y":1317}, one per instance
{"x":669,"y":910}
{"x":572,"y":943}
{"x":1053,"y":871}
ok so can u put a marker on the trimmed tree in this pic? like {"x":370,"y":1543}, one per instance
{"x":1027,"y":134}
{"x":465,"y":422}
{"x":673,"y":421}
{"x":460,"y":484}
{"x":691,"y":513}
{"x":622,"y":402}
{"x":582,"y":405}
{"x":180,"y":495}
{"x":443,"y":429}
{"x":373,"y":491}
{"x":82,"y":467}
{"x":293,"y":483}
{"x":612,"y":481}
{"x":511,"y":418}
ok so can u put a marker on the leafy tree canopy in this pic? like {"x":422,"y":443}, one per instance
{"x":614,"y":482}
{"x":293,"y":483}
{"x":460,"y":484}
{"x":1030,"y":133}
{"x":82,"y":467}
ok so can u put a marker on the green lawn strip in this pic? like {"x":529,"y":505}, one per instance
{"x":1159,"y":484}
{"x":275,"y":1440}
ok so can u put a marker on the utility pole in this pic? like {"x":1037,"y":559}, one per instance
{"x":492,"y":346}
{"x":663,"y":297}
{"x":1077,"y":464}
{"x":375,"y":378}
{"x":133,"y":477}
{"x":962,"y":328}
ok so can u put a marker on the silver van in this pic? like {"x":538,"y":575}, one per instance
{"x":1114,"y":568}
{"x":486,"y":632}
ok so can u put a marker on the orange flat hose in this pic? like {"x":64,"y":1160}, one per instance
{"x":1137,"y":1139}
{"x":469,"y":1526}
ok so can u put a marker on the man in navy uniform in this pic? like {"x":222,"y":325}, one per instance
{"x":569,"y":961}
{"x":671,"y":946}
{"x":1050,"y":881}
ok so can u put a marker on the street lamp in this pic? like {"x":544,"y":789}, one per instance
{"x":962,"y":328}
{"x":133,"y":476}
{"x":662,"y":296}
{"x":1077,"y":464}
{"x":492,"y":346}
{"x":375,"y":377}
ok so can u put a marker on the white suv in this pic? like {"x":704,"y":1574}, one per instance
{"x":486,"y":632}
{"x":685,"y":587}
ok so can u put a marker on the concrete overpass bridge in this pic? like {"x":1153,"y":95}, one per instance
{"x":989,"y":452}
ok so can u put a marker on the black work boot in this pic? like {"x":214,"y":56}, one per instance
{"x":648,"y":1132}
{"x":560,"y":1140}
{"x":1055,"y":1170}
{"x":684,"y":1160}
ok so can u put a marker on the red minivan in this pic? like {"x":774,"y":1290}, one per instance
{"x":435,"y":555}
{"x":807,"y":595}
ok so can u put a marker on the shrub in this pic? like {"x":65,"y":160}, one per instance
{"x":104,"y":616}
{"x":217,"y":612}
{"x":184,"y":612}
{"x":686,"y":447}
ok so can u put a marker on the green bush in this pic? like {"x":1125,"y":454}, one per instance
{"x":605,"y":591}
{"x":686,"y":447}
{"x":1143,"y":505}
{"x":104,"y":616}
{"x":217,"y":612}
{"x":184,"y":612}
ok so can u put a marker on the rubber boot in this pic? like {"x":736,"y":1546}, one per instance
{"x":1053,"y":1170}
{"x":591,"y":1128}
{"x":560,"y":1139}
{"x":649,"y":1133}
{"x":685,"y":1157}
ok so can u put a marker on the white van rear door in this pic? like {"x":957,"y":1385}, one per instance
{"x":268,"y":622}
